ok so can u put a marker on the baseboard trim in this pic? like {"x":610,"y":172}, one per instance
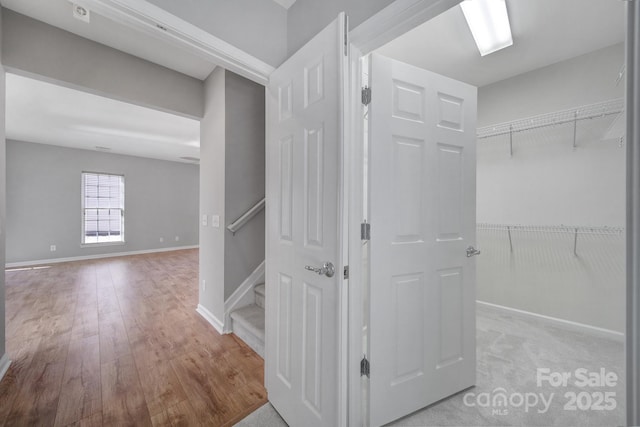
{"x":4,"y":365}
{"x":567,"y":324}
{"x":242,"y":296}
{"x":97,"y":256}
{"x":209,"y":317}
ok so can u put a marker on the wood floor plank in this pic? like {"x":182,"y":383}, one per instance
{"x":114,"y":342}
{"x":183,"y":415}
{"x":85,"y":322}
{"x":118,"y":342}
{"x":160,"y":385}
{"x":36,"y":401}
{"x":81,"y":393}
{"x":93,"y":421}
{"x":123,"y":402}
{"x":212,"y":386}
{"x":161,"y":419}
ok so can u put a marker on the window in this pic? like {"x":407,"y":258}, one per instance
{"x":102,"y":208}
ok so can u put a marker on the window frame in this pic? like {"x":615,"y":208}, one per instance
{"x":83,"y":209}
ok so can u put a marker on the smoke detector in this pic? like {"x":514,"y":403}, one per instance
{"x":81,"y":13}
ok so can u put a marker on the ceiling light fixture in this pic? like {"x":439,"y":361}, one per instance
{"x":489,"y":23}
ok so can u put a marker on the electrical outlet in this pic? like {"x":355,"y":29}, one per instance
{"x":204,"y":220}
{"x":177,"y":238}
{"x":204,"y":285}
{"x":52,"y":248}
{"x":161,"y":239}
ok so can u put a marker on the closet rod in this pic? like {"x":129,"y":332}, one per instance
{"x":587,"y":112}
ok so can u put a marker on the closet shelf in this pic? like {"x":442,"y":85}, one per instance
{"x":554,"y":229}
{"x":586,"y":112}
{"x":604,"y":230}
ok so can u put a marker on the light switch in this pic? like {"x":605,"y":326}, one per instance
{"x":204,"y":220}
{"x":215,"y":221}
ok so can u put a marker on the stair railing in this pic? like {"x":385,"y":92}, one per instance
{"x":246,"y":217}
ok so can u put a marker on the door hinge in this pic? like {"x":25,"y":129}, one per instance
{"x":365,"y":231}
{"x":346,"y":272}
{"x":364,"y":367}
{"x":366,"y":95}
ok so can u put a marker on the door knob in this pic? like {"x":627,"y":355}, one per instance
{"x":327,"y":269}
{"x":471,"y":251}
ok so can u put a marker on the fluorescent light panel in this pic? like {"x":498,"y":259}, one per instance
{"x":489,"y":24}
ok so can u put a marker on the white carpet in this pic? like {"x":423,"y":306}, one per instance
{"x":509,"y":351}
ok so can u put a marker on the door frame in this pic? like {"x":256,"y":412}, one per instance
{"x":633,"y":214}
{"x":393,"y":21}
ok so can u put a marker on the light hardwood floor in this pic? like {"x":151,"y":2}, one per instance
{"x":118,"y":342}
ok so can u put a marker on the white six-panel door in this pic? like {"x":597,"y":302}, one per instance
{"x":422,"y":214}
{"x":304,"y":167}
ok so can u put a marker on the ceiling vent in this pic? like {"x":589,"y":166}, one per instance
{"x":81,"y":13}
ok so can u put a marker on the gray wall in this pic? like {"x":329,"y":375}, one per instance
{"x":244,"y":177}
{"x":232,"y":162}
{"x":39,"y":50}
{"x":256,"y":26}
{"x":2,"y":194}
{"x":212,"y":187}
{"x":546,"y":182}
{"x":307,"y":17}
{"x":44,"y":201}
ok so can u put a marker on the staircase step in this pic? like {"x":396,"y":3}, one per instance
{"x":259,"y":295}
{"x":248,"y":325}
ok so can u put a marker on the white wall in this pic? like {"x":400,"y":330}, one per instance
{"x":41,"y":51}
{"x":44,"y":201}
{"x":586,"y":79}
{"x":212,"y":195}
{"x":258,"y":27}
{"x":547,"y":182}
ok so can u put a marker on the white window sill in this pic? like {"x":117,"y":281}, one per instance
{"x":98,"y":244}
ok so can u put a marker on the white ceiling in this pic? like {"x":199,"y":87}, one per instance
{"x":59,"y":13}
{"x":49,"y":114}
{"x":544,"y":32}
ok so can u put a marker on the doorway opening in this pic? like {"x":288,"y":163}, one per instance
{"x":550,"y":216}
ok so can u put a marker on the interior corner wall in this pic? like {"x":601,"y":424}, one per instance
{"x":257,"y":27}
{"x":2,"y":196}
{"x":549,"y":183}
{"x":36,"y":49}
{"x":244,"y":177}
{"x":212,"y":195}
{"x":44,"y":202}
{"x":306,"y":18}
